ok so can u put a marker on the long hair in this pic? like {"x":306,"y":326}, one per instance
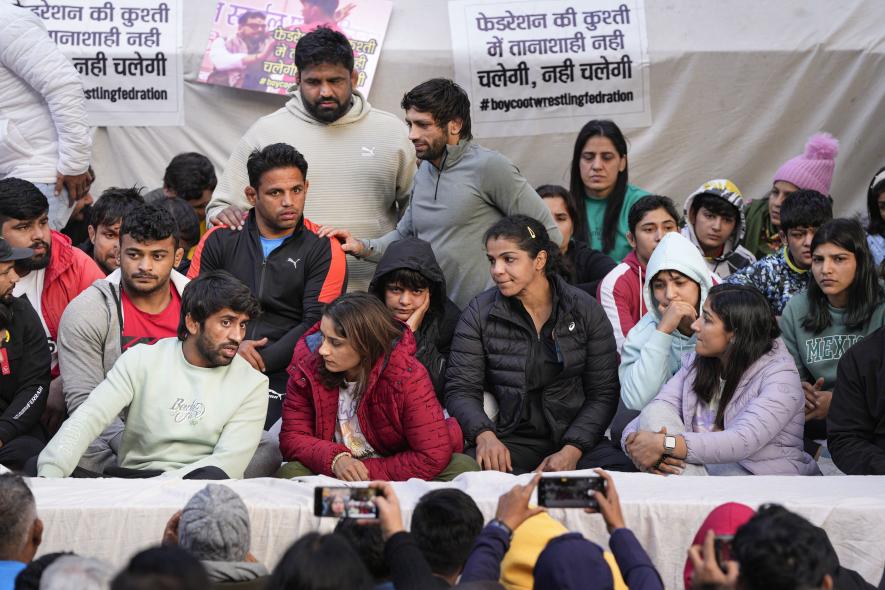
{"x":369,"y":328}
{"x":877,"y":187}
{"x":531,"y":237}
{"x":615,"y":201}
{"x":746,"y":313}
{"x":864,"y":294}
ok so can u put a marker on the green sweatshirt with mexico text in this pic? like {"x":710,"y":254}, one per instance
{"x":180,"y":417}
{"x":817,"y":355}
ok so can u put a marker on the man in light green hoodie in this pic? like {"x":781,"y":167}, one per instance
{"x":676,"y":285}
{"x":195,"y":408}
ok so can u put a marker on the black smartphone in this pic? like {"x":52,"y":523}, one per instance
{"x":569,"y":492}
{"x":343,"y":502}
{"x":723,"y":550}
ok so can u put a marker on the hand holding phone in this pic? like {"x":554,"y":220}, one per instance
{"x":569,"y":492}
{"x":344,"y":502}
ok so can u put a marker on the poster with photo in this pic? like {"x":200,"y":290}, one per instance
{"x":252,"y":43}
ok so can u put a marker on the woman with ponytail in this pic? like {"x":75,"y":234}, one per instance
{"x":544,"y":352}
{"x":736,"y":405}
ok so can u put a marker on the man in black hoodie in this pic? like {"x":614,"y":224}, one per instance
{"x":410,"y":282}
{"x":24,"y":367}
{"x":856,"y":422}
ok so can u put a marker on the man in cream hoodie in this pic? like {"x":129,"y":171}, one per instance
{"x":195,"y":408}
{"x":361,"y":161}
{"x":676,"y":285}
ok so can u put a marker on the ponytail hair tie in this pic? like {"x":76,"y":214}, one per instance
{"x":531,"y":233}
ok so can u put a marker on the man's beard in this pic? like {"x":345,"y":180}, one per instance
{"x":36,"y":262}
{"x":435,"y":151}
{"x":212,"y":354}
{"x":324,"y":115}
{"x":133,"y":287}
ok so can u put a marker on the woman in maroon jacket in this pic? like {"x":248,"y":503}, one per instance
{"x":359,"y":406}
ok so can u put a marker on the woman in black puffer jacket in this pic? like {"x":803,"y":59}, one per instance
{"x":545,"y":352}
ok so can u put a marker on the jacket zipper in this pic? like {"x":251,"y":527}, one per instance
{"x":439,"y":173}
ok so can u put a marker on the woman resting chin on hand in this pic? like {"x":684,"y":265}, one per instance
{"x":736,"y":405}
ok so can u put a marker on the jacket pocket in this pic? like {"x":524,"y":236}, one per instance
{"x":12,"y":139}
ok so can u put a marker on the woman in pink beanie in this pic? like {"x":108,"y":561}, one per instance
{"x":812,"y":169}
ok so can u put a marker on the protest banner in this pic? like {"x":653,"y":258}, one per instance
{"x":128,"y":53}
{"x":252,"y":44}
{"x":549,"y":66}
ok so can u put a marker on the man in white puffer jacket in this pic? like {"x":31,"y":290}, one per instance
{"x":44,"y":131}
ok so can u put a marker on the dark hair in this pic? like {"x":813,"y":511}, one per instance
{"x":716,"y":205}
{"x":552,"y":191}
{"x":444,"y":100}
{"x":320,"y":562}
{"x":369,"y":328}
{"x":114,"y":204}
{"x":323,"y":46}
{"x":805,"y":208}
{"x":445,"y":524}
{"x":864,"y":292}
{"x":779,"y":550}
{"x":210,"y":293}
{"x":18,"y":509}
{"x":162,"y":567}
{"x":650,"y":203}
{"x":530,"y":236}
{"x":186,"y":220}
{"x":877,"y":224}
{"x":244,"y":18}
{"x":746,"y":313}
{"x":276,"y":155}
{"x":407,"y":278}
{"x":19,"y":199}
{"x":29,"y":578}
{"x":367,"y":543}
{"x":189,"y":174}
{"x":149,"y":223}
{"x":615,"y":201}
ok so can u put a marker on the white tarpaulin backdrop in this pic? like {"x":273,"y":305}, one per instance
{"x":736,"y":89}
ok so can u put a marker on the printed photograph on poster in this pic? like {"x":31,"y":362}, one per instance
{"x":128,"y":54}
{"x":548,"y":66}
{"x":252,"y":43}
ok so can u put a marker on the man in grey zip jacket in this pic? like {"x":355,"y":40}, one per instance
{"x":460,"y":190}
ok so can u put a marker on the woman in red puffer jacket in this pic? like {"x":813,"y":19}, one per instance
{"x":359,"y":406}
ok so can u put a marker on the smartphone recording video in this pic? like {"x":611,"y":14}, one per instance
{"x":341,"y":502}
{"x":723,"y":550}
{"x":569,"y":492}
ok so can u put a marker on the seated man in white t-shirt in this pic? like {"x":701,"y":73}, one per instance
{"x":195,"y":408}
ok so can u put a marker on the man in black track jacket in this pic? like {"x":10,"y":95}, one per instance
{"x":24,"y":367}
{"x":290,"y":269}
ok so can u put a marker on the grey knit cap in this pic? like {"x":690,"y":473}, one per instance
{"x":214,"y":525}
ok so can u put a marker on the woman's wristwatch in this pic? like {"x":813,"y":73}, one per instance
{"x":669,"y":444}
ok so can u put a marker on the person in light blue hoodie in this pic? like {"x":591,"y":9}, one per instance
{"x":676,"y":285}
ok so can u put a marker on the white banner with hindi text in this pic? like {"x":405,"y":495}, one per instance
{"x":548,"y":66}
{"x":128,"y":53}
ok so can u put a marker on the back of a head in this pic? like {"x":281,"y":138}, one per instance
{"x":571,"y":562}
{"x":189,"y":174}
{"x":779,"y":550}
{"x":805,"y":208}
{"x":445,"y":525}
{"x":18,"y":511}
{"x":320,"y":562}
{"x":29,"y":578}
{"x":73,"y":572}
{"x":166,"y":567}
{"x":186,"y":219}
{"x":368,"y":544}
{"x":214,"y":525}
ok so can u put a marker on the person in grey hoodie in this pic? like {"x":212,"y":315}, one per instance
{"x":214,"y":527}
{"x":736,"y":405}
{"x":676,"y":286}
{"x":461,"y":189}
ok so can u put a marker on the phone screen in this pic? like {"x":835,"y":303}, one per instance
{"x":569,"y":492}
{"x":343,"y":502}
{"x":723,"y":550}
